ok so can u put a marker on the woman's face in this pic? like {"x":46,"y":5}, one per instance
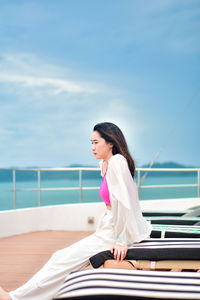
{"x":100,"y":148}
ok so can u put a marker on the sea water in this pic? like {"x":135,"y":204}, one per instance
{"x":27,"y":195}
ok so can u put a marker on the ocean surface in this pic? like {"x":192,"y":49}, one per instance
{"x":28,"y":180}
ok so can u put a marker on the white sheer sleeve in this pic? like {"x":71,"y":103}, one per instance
{"x":130,"y":226}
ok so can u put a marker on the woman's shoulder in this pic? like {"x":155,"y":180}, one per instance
{"x":118,"y":166}
{"x":117,"y":159}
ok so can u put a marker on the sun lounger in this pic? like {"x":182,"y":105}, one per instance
{"x":139,"y":283}
{"x":170,"y":265}
{"x":152,"y":250}
{"x":113,"y":284}
{"x":175,"y":231}
{"x":190,"y":212}
{"x":166,"y":264}
{"x":174,"y":221}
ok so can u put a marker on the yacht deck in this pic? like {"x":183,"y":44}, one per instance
{"x":21,"y":256}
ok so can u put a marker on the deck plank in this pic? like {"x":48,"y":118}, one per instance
{"x":21,"y":256}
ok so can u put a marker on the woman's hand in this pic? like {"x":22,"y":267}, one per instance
{"x":119,"y":252}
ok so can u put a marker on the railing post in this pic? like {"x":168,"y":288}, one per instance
{"x":80,"y":185}
{"x":14,"y":189}
{"x":39,"y":203}
{"x":138,"y":172}
{"x":198,"y":183}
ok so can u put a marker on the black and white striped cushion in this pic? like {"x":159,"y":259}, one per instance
{"x":179,"y":231}
{"x":109,"y":284}
{"x":174,"y":220}
{"x":154,"y":250}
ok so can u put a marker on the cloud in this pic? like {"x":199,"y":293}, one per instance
{"x":47,"y":119}
{"x":20,"y":72}
{"x":56,"y":86}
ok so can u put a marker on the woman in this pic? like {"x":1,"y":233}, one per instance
{"x":120,"y":226}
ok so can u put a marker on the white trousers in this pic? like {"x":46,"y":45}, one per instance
{"x":46,"y":283}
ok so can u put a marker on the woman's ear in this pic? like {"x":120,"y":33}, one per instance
{"x":110,"y":145}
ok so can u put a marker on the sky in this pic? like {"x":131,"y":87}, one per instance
{"x":66,"y":65}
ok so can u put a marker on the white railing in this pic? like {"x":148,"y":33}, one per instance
{"x":147,"y":170}
{"x":140,"y":184}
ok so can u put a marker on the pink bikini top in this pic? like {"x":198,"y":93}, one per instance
{"x":103,"y":191}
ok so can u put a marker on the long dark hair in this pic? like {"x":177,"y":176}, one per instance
{"x":111,"y":133}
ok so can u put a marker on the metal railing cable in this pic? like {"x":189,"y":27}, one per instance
{"x":176,"y":124}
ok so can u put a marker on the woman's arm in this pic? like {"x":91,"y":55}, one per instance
{"x":129,"y":224}
{"x":118,"y":177}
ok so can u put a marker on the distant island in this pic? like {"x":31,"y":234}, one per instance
{"x":167,"y":165}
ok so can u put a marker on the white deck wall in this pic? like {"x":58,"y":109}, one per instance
{"x":73,"y":216}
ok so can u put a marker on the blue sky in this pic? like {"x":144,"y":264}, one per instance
{"x":66,"y":65}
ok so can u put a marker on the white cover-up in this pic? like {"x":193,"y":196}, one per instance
{"x":129,"y":223}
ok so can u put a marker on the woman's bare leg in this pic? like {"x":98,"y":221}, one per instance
{"x":4,"y":295}
{"x":113,"y":264}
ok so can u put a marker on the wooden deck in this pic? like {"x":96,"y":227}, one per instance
{"x":21,"y":256}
